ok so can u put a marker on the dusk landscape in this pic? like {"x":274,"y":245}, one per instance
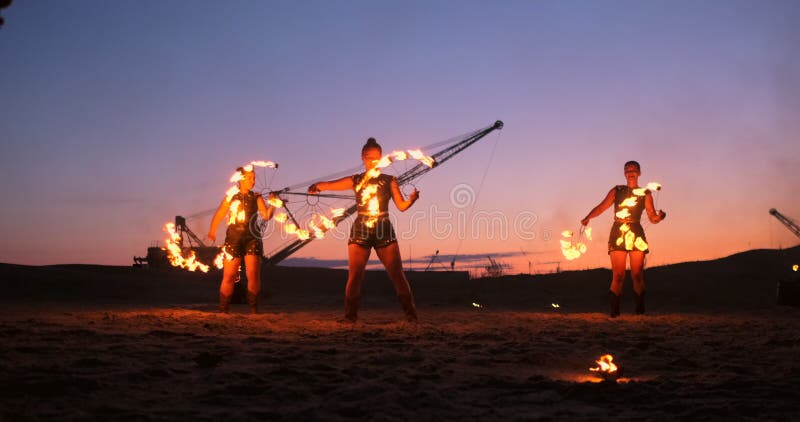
{"x":123,"y":126}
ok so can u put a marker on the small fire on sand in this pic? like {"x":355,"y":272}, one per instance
{"x":476,"y":305}
{"x":607,"y":369}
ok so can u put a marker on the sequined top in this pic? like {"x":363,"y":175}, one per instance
{"x":383,"y":192}
{"x":626,"y":199}
{"x":243,"y":206}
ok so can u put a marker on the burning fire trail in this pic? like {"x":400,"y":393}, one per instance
{"x":235,"y":215}
{"x":573,"y":250}
{"x":175,"y":253}
{"x":319,"y":224}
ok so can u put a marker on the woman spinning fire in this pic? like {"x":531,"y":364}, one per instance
{"x":372,"y":229}
{"x":627,"y":235}
{"x":240,"y":238}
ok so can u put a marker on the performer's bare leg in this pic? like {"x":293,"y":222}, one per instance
{"x":357,"y":259}
{"x":390,"y":257}
{"x":637,"y":274}
{"x":618,"y":259}
{"x":253,"y":268}
{"x":618,"y":264}
{"x":229,"y":273}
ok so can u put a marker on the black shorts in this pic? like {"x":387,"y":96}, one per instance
{"x":637,"y":232}
{"x":378,"y":236}
{"x":239,"y":241}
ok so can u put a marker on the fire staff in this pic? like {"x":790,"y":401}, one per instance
{"x":372,"y":229}
{"x":627,"y":238}
{"x":242,"y":238}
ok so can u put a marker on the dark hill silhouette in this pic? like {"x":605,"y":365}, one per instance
{"x":743,"y":281}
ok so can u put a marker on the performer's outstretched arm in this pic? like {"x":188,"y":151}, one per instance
{"x":607,"y":202}
{"x":397,"y":196}
{"x":344,"y":183}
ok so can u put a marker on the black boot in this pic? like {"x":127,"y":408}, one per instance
{"x":614,"y":299}
{"x":351,"y":309}
{"x":410,"y":309}
{"x":224,"y":303}
{"x":639,"y":303}
{"x":252,"y":300}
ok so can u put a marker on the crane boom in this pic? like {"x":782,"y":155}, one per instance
{"x":408,"y":176}
{"x":788,"y":222}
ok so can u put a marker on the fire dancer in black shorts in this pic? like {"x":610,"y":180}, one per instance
{"x":627,"y":235}
{"x":242,"y":238}
{"x":372,"y":229}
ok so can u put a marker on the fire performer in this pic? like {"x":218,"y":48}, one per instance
{"x":627,"y":235}
{"x":373,"y":229}
{"x":242,"y":239}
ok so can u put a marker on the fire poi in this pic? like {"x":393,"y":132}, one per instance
{"x":627,"y":238}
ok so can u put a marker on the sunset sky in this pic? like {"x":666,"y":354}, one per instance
{"x":117,"y":116}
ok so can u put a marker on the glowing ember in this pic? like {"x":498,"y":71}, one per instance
{"x":175,"y":253}
{"x":607,"y":369}
{"x":476,"y":305}
{"x":555,"y":305}
{"x":795,"y":267}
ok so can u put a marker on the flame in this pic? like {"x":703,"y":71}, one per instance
{"x":629,"y":239}
{"x":476,"y":305}
{"x":623,"y":213}
{"x":640,"y":191}
{"x":640,"y":244}
{"x":236,"y":215}
{"x":263,"y":163}
{"x":236,"y":176}
{"x":337,"y":212}
{"x":629,"y":202}
{"x":424,"y":159}
{"x":281,"y":217}
{"x":653,"y":186}
{"x":175,"y":254}
{"x":571,"y":250}
{"x":795,"y":267}
{"x":223,"y":256}
{"x":555,"y":305}
{"x":275,"y":202}
{"x":399,"y":155}
{"x":605,"y":364}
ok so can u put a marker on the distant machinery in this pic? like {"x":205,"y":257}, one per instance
{"x":788,"y":222}
{"x":788,"y":289}
{"x":157,"y":257}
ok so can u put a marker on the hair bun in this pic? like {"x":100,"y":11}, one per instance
{"x":371,"y":143}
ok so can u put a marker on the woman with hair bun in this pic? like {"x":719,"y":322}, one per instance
{"x":373,"y":230}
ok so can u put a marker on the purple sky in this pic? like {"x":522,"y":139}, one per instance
{"x":114,"y":119}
